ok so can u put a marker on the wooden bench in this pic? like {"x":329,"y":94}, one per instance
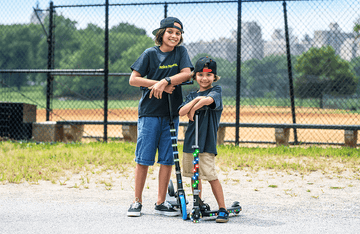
{"x":282,"y":131}
{"x":51,"y":131}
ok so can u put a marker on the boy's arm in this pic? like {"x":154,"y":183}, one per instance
{"x":138,"y":81}
{"x":160,"y":86}
{"x":204,"y":101}
{"x":186,"y":108}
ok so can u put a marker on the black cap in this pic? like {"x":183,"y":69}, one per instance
{"x":169,"y":23}
{"x":205,"y":62}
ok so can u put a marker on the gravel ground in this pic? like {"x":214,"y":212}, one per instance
{"x":313,"y":203}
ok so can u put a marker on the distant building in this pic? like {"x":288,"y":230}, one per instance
{"x":350,"y":49}
{"x":333,"y":37}
{"x":216,"y":48}
{"x":252,"y":45}
{"x":277,"y":46}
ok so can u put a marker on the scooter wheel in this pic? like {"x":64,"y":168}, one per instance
{"x":171,"y":190}
{"x":183,"y":207}
{"x":195,"y":215}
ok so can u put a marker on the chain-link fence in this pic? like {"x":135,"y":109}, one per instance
{"x":300,"y":61}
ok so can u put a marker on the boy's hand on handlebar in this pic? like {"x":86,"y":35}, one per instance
{"x":157,"y":89}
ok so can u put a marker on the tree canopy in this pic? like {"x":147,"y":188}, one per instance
{"x":321,"y":71}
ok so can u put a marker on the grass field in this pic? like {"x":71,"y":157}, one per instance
{"x":31,"y":162}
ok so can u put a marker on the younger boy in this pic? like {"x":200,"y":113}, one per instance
{"x":207,"y":100}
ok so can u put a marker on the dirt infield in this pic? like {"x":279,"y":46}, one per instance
{"x":247,"y":115}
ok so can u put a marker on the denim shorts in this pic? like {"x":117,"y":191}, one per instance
{"x":154,"y":135}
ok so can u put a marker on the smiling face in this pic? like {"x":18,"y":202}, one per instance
{"x":205,"y":80}
{"x":171,"y":38}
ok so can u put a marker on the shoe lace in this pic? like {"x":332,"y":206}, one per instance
{"x":167,"y":205}
{"x":135,"y":205}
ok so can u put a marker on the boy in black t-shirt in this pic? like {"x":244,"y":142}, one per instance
{"x":209,"y":103}
{"x":158,"y":70}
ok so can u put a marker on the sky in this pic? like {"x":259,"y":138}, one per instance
{"x":201,"y":21}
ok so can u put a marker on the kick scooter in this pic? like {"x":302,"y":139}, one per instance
{"x":177,"y":199}
{"x":203,"y":210}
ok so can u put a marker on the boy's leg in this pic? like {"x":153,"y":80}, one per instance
{"x":140,"y":178}
{"x":218,"y":192}
{"x":223,"y":214}
{"x":144,"y":157}
{"x":164,"y":178}
{"x":146,"y":146}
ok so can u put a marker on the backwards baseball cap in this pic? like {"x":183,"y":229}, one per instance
{"x":169,"y":23}
{"x":205,"y":62}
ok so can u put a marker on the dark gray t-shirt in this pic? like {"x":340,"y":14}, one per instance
{"x":209,"y":120}
{"x":156,"y":65}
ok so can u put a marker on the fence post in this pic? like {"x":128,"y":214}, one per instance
{"x":106,"y":69}
{"x":50,"y":62}
{"x":238,"y":75}
{"x":165,"y":10}
{"x":291,"y":85}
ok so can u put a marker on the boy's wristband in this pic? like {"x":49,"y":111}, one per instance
{"x":168,"y":80}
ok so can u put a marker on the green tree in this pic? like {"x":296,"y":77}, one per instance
{"x":124,"y":49}
{"x":66,"y":41}
{"x":268,"y":76}
{"x":357,"y":28}
{"x":355,"y":65}
{"x":18,"y":48}
{"x":321,"y":72}
{"x":119,"y":86}
{"x":127,"y":28}
{"x":90,"y":55}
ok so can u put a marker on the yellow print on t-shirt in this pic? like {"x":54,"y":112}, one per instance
{"x":168,"y":66}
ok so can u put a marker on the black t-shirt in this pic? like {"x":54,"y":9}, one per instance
{"x":156,"y":65}
{"x":209,"y":120}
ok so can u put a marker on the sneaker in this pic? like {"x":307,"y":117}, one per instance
{"x":223,"y":216}
{"x":167,"y":209}
{"x":134,"y":210}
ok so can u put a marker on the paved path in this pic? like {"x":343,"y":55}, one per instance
{"x":289,"y":208}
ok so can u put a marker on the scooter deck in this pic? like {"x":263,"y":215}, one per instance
{"x":212,"y":213}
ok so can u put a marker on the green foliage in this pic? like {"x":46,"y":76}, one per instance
{"x":127,"y":28}
{"x":267,"y":75}
{"x":18,"y":49}
{"x":124,"y":49}
{"x":321,"y":71}
{"x":357,"y":29}
{"x":355,"y":66}
{"x":26,"y":46}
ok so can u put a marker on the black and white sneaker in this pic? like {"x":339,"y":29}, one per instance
{"x":134,"y":210}
{"x":167,"y":209}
